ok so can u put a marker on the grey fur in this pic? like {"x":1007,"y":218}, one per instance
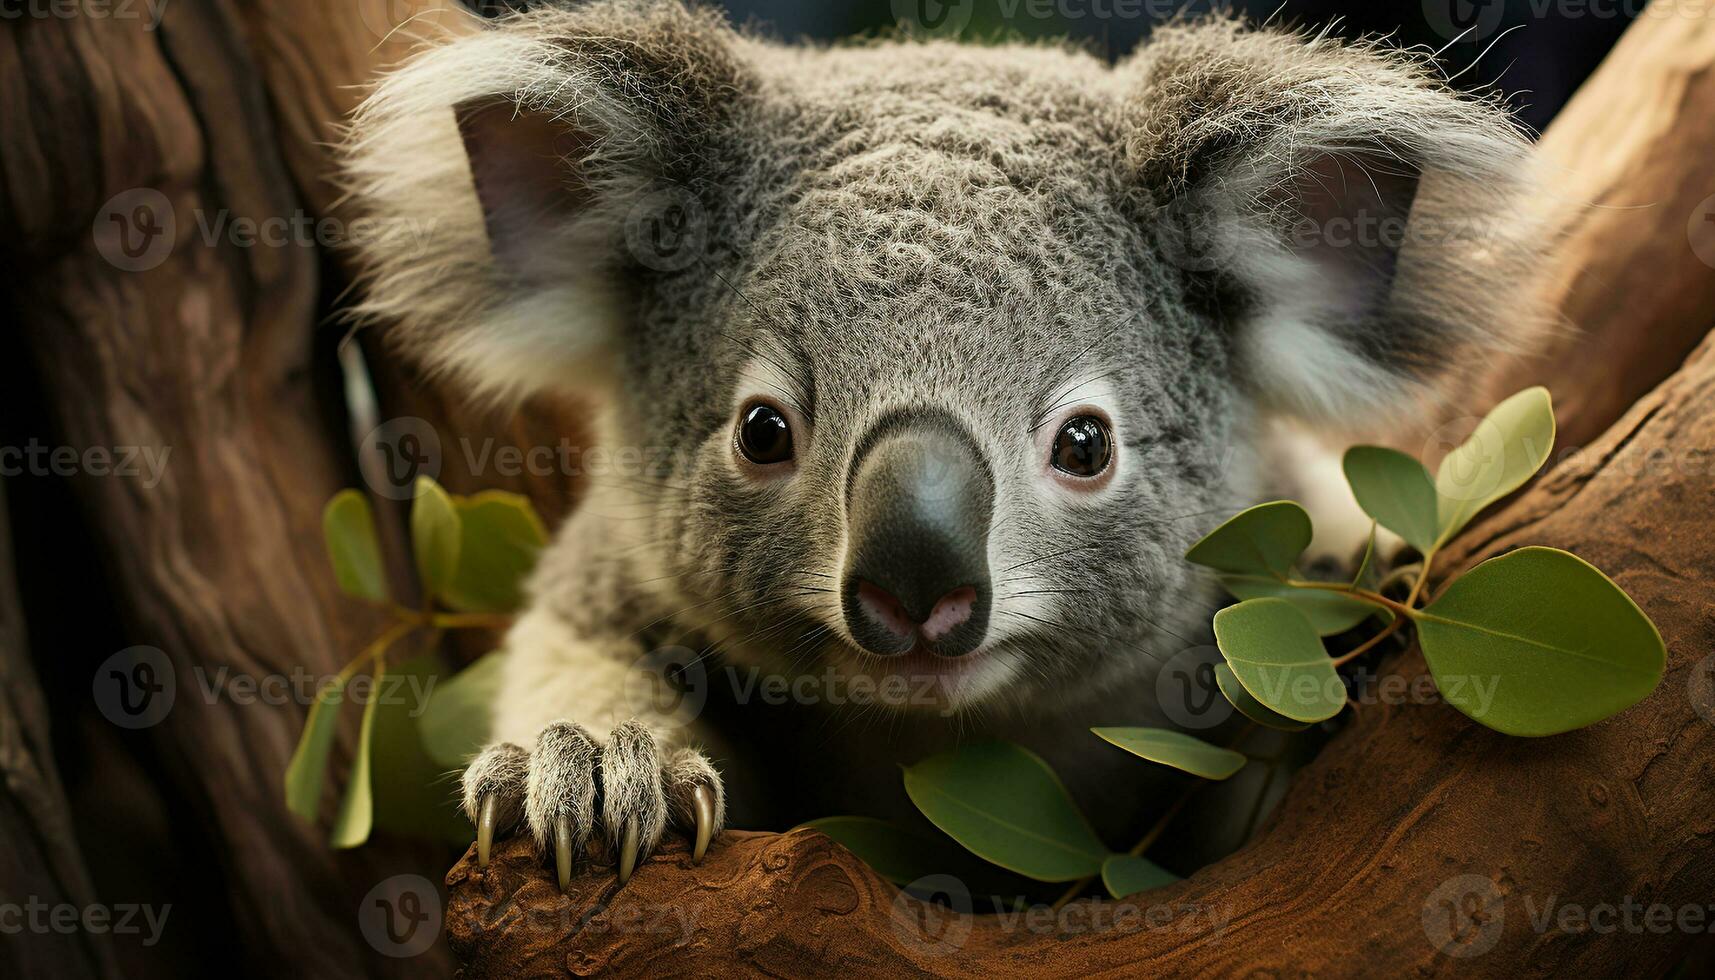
{"x":995,"y":232}
{"x":562,"y":783}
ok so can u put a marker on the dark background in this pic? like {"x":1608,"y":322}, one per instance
{"x":1535,"y":51}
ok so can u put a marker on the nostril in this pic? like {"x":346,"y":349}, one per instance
{"x":951,"y":611}
{"x":884,"y":610}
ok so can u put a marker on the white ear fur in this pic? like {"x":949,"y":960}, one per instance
{"x":1274,"y":142}
{"x":430,"y":273}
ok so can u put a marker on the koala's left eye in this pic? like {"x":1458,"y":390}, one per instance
{"x":764,"y":435}
{"x":1083,"y":446}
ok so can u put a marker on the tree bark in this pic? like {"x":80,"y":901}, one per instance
{"x":1417,"y":843}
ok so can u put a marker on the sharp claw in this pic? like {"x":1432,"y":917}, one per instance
{"x":563,"y":851}
{"x":628,"y":852}
{"x":485,"y":831}
{"x":704,"y":803}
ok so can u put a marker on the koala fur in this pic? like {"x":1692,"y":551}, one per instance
{"x":994,"y":235}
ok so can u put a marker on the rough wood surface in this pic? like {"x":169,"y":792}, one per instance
{"x":211,"y":355}
{"x":1630,"y":162}
{"x":42,"y":858}
{"x":1417,"y":844}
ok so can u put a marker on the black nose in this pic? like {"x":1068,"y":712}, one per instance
{"x":918,"y":509}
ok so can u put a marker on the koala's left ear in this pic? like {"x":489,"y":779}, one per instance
{"x":500,"y":173}
{"x":1358,"y":225}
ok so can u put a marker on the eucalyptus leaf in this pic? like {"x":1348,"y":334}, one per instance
{"x":1397,"y":491}
{"x":456,"y":723}
{"x":1125,"y":875}
{"x":1538,"y":642}
{"x":500,"y":539}
{"x":1507,"y":448}
{"x":1264,"y":540}
{"x":1277,"y":656}
{"x":1005,"y":805}
{"x":354,"y":549}
{"x":356,"y":815}
{"x":1250,"y":707}
{"x":308,"y":768}
{"x":414,"y":793}
{"x":1177,"y":749}
{"x":1329,"y":612}
{"x":435,"y":536}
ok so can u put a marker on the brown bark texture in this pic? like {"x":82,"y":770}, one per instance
{"x":126,"y":147}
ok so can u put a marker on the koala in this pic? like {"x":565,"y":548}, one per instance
{"x":943,"y":355}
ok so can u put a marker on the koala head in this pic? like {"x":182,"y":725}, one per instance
{"x":954,"y":349}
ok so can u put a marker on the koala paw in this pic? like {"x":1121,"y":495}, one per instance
{"x":572,"y":789}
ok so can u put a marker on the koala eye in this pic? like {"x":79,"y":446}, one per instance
{"x":1082,"y":447}
{"x":763,"y":435}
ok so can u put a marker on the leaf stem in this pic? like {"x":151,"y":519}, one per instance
{"x":377,"y":648}
{"x":454,"y":621}
{"x":1365,"y":595}
{"x":1369,"y":644}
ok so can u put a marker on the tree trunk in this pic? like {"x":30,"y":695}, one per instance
{"x":219,"y":357}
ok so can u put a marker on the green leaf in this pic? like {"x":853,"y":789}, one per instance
{"x":1249,"y":706}
{"x":308,"y":768}
{"x":357,"y":810}
{"x":501,"y":538}
{"x":415,"y":794}
{"x":348,"y":526}
{"x":1507,"y":448}
{"x":1176,"y":749}
{"x":1264,"y":540}
{"x":1538,"y":642}
{"x":1329,"y":612}
{"x":1004,"y":804}
{"x":1277,"y":656}
{"x":1126,"y":875}
{"x":435,"y":536}
{"x":1396,"y":490}
{"x":456,"y":723}
{"x":1367,"y":566}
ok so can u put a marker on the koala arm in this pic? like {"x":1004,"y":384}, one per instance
{"x":576,"y":724}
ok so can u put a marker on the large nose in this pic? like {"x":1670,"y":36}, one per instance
{"x":918,"y":511}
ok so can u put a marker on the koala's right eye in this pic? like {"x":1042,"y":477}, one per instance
{"x":764,"y":435}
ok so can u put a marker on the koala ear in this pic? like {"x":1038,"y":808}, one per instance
{"x":1359,"y":226}
{"x":497,"y":172}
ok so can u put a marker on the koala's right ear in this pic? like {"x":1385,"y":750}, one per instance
{"x":496,"y":172}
